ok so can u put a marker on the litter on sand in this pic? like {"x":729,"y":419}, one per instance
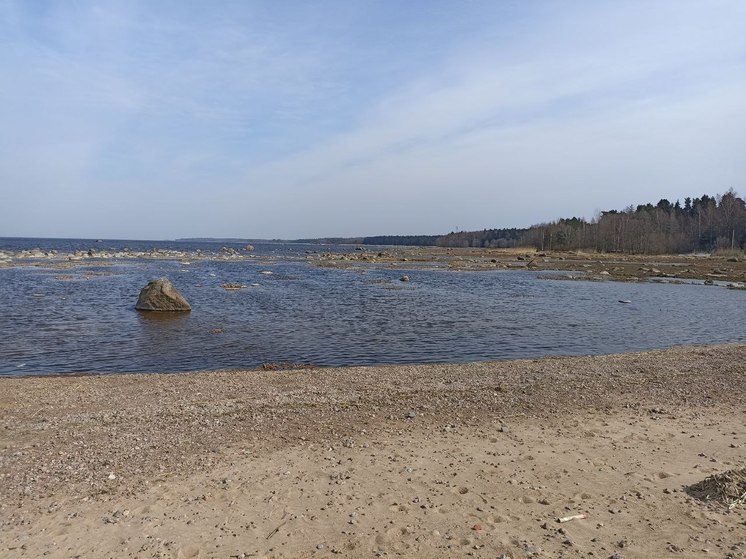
{"x":573,"y":517}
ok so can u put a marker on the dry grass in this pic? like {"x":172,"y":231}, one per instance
{"x":729,"y":252}
{"x":727,"y":488}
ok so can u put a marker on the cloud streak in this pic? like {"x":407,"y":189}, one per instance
{"x":381,"y":122}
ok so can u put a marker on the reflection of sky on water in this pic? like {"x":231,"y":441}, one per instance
{"x":339,"y":317}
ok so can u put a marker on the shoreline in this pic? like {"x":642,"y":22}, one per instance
{"x":591,"y":266}
{"x":291,"y":367}
{"x":370,"y":461}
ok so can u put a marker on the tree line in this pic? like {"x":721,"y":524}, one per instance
{"x":401,"y":240}
{"x":699,"y":224}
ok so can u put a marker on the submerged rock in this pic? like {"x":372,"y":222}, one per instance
{"x":161,"y":295}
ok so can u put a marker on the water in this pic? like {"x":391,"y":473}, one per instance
{"x":332,"y":317}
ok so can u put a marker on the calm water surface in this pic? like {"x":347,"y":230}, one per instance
{"x":331,"y":317}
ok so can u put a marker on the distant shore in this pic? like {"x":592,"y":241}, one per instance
{"x":673,"y":268}
{"x":421,"y":461}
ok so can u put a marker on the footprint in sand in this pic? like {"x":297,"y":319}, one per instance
{"x":188,"y":552}
{"x":381,"y":539}
{"x":580,"y":497}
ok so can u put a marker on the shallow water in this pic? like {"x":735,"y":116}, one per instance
{"x":329,"y":317}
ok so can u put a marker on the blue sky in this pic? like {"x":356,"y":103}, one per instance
{"x":163,"y":119}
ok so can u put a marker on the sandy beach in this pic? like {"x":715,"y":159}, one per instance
{"x":460,"y":460}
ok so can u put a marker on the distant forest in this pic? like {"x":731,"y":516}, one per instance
{"x":401,"y":240}
{"x":699,"y":224}
{"x":706,"y":223}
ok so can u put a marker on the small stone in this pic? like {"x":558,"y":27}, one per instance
{"x":411,"y":415}
{"x":404,"y":278}
{"x":112,"y":476}
{"x":320,"y":546}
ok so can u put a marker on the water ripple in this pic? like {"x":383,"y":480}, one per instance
{"x":334,"y":317}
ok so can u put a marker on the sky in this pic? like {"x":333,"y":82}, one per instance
{"x":159,"y":119}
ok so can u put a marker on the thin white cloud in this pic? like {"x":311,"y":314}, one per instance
{"x":490,"y":117}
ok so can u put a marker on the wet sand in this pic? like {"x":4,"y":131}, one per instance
{"x":472,"y":460}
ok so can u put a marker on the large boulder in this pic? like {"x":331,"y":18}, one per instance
{"x":161,"y":295}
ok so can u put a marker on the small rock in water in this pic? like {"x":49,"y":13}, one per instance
{"x":404,"y":278}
